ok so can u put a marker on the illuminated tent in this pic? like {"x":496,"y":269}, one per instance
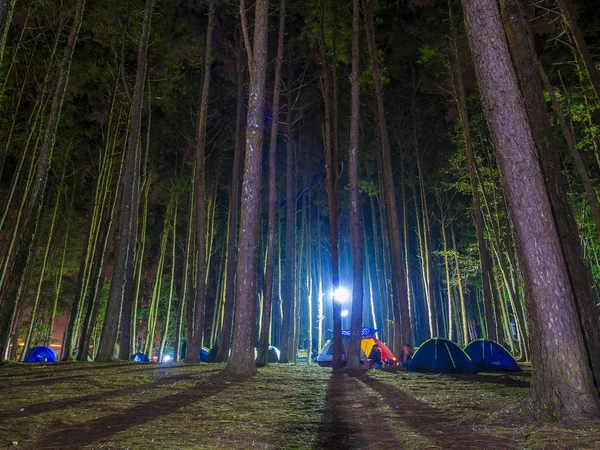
{"x":489,"y":356}
{"x":204,"y":354}
{"x":440,"y":355}
{"x":139,"y":357}
{"x":273,"y":355}
{"x":367,"y":344}
{"x":40,"y":354}
{"x":325,"y":357}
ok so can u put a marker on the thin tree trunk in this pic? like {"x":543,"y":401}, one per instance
{"x":165,"y":335}
{"x":567,"y":388}
{"x":195,"y":334}
{"x":584,"y":51}
{"x":288,"y":351}
{"x":484,"y":255}
{"x":129,"y":205}
{"x":331,"y":176}
{"x":353,"y":360}
{"x":232,"y":233}
{"x":183,"y":302}
{"x":6,"y":12}
{"x":263,"y":343}
{"x":401,"y":306}
{"x":241,"y":362}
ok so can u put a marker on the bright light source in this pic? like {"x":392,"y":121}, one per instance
{"x":167,"y":358}
{"x":341,"y":294}
{"x":345,"y":313}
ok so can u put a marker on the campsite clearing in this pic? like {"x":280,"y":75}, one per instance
{"x":168,"y":406}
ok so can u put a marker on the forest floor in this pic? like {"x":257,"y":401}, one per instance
{"x":177,"y":406}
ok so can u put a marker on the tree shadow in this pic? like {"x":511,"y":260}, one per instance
{"x":66,"y":367}
{"x":504,"y":379}
{"x":44,"y":407}
{"x":44,"y":381}
{"x":436,"y":424}
{"x":335,"y":431}
{"x":79,"y":435}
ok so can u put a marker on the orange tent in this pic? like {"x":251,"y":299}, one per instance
{"x":367,"y":343}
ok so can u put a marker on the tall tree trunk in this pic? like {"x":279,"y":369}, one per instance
{"x":232,"y":232}
{"x":354,"y":351}
{"x":36,"y":199}
{"x":187,"y":262}
{"x":195,"y":334}
{"x":484,"y":255}
{"x":525,"y":60}
{"x":403,"y":334}
{"x":165,"y":334}
{"x":566,"y":388}
{"x":263,"y":343}
{"x":447,"y":267}
{"x":288,"y":350}
{"x":331,"y":178}
{"x":463,"y":309}
{"x":129,"y":204}
{"x":241,"y":362}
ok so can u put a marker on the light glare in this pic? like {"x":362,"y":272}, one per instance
{"x":340,"y":294}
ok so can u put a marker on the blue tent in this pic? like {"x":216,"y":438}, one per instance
{"x":439,"y":355}
{"x":489,"y":356}
{"x":139,"y":357}
{"x":204,"y":354}
{"x":40,"y":354}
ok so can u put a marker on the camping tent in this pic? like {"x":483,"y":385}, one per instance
{"x":273,"y":355}
{"x":325,"y":357}
{"x":204,"y":354}
{"x":439,"y":355}
{"x":40,"y":354}
{"x":139,"y":357}
{"x":367,"y":344}
{"x":489,"y":356}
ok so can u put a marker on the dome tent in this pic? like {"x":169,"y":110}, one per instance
{"x":204,"y":352}
{"x":273,"y":355}
{"x":489,"y":356}
{"x":40,"y":354}
{"x":440,"y":355}
{"x":139,"y":357}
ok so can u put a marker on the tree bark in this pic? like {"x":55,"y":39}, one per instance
{"x":354,"y":351}
{"x":263,"y":343}
{"x":241,"y":362}
{"x":524,"y":57}
{"x":565,"y":388}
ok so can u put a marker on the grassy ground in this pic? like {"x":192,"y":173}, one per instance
{"x":139,"y":406}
